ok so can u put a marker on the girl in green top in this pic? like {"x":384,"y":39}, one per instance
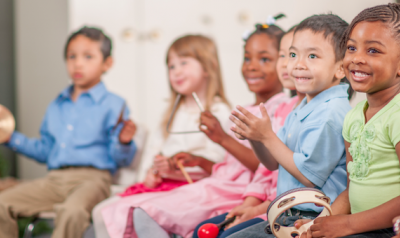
{"x":371,"y":130}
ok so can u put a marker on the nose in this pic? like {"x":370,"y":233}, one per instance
{"x":299,"y":63}
{"x":357,"y":58}
{"x":253,"y":65}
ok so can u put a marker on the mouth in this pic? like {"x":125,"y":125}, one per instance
{"x":302,"y":79}
{"x":359,"y":76}
{"x":285,"y":75}
{"x":254,"y":80}
{"x":77,"y":75}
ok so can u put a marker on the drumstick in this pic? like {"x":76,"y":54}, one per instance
{"x":196,"y":98}
{"x":187,"y":177}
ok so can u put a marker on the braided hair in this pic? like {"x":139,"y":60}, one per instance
{"x":271,"y":30}
{"x":389,"y":14}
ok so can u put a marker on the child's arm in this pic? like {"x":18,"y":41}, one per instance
{"x":190,"y":160}
{"x":342,"y":225}
{"x":121,"y":147}
{"x":38,"y":149}
{"x":260,"y":129}
{"x":215,"y":132}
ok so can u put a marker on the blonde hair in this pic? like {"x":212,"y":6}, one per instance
{"x":204,"y":50}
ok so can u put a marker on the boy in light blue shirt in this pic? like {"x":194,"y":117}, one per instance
{"x":309,"y":150}
{"x":85,"y":137}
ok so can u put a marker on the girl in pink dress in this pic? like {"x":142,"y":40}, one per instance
{"x":180,"y":210}
{"x":262,"y":189}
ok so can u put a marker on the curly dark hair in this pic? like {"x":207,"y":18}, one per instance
{"x":272,"y":31}
{"x":389,"y":14}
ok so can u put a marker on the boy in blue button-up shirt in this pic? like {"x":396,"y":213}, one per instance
{"x":84,"y":138}
{"x":309,"y":149}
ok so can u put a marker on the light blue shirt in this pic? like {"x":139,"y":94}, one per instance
{"x":313,"y":131}
{"x":80,"y":133}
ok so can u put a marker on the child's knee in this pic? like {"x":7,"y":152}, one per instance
{"x":72,"y":213}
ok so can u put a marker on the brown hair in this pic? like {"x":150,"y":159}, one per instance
{"x":204,"y":50}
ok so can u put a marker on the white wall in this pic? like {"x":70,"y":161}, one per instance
{"x":139,"y":73}
{"x":41,"y":30}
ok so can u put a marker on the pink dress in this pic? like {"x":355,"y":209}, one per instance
{"x":180,"y":210}
{"x":263,"y":185}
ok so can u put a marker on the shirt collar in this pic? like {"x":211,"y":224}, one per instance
{"x":338,"y":91}
{"x":97,"y":92}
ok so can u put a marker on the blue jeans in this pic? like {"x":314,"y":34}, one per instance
{"x":258,"y":230}
{"x":230,"y":231}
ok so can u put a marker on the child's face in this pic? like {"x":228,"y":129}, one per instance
{"x":281,"y":65}
{"x":85,"y":62}
{"x":372,"y":58}
{"x":259,"y":65}
{"x":186,"y":74}
{"x":312,"y":63}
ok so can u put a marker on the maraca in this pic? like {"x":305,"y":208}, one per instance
{"x":211,"y":230}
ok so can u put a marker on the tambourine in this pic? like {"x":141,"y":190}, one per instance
{"x":290,"y":199}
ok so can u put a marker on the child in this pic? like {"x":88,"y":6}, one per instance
{"x":309,"y":149}
{"x":371,"y":130}
{"x":193,"y":66}
{"x":262,"y":189}
{"x":85,"y":137}
{"x":180,"y":210}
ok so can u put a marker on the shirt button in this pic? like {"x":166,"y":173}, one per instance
{"x":62,"y":145}
{"x":70,"y":127}
{"x":290,"y":135}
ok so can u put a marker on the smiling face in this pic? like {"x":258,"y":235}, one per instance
{"x":312,"y":63}
{"x":259,"y":65}
{"x":85,"y":62}
{"x":281,"y":66}
{"x":372,"y":60}
{"x":186,"y":74}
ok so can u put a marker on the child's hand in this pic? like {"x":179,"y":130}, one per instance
{"x":163,"y":164}
{"x":331,"y":226}
{"x":396,"y":225}
{"x":187,"y":160}
{"x":250,"y":126}
{"x":214,"y":130}
{"x":127,"y":132}
{"x":152,"y":179}
{"x":242,"y":215}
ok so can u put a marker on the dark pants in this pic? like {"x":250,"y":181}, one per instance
{"x":258,"y":230}
{"x":230,"y":231}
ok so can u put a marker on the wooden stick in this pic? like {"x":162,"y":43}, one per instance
{"x":196,"y":98}
{"x":187,"y":177}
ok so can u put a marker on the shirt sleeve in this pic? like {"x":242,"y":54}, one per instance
{"x":394,"y":126}
{"x":36,"y":148}
{"x":321,"y":148}
{"x":122,"y":154}
{"x":263,"y":184}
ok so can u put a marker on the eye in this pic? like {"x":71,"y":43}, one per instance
{"x":312,"y":56}
{"x":351,"y":48}
{"x":292,"y":55}
{"x":71,"y":57}
{"x":373,"y":51}
{"x":246,"y":59}
{"x":184,"y":63}
{"x":282,"y":56}
{"x":264,"y":60}
{"x":88,"y":56}
{"x":170,"y":67}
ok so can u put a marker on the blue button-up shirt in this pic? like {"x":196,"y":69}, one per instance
{"x":80,"y":133}
{"x":313,"y":131}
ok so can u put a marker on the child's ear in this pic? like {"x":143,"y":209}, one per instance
{"x":108,"y":63}
{"x":340,"y":71}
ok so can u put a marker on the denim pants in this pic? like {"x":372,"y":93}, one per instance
{"x":258,"y":230}
{"x":225,"y":233}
